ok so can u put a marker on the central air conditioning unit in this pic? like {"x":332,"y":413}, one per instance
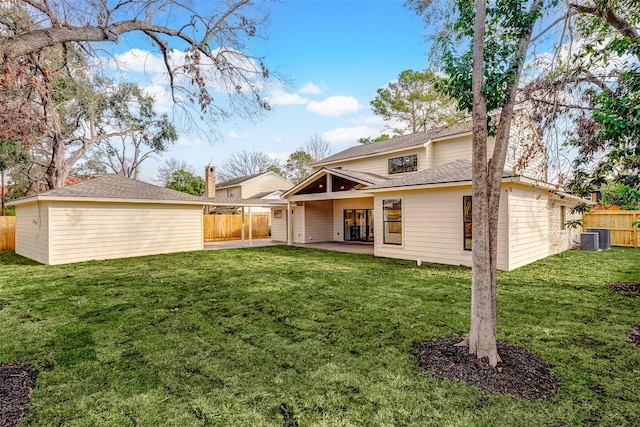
{"x":589,"y":242}
{"x":604,"y":237}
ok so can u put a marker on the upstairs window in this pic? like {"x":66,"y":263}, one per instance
{"x":403,"y":164}
{"x":230,"y":192}
{"x":466,"y":221}
{"x":392,"y":221}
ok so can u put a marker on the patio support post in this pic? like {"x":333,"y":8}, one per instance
{"x":250,"y":228}
{"x":242,"y":226}
{"x":289,"y":224}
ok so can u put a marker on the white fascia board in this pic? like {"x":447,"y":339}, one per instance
{"x":44,"y":198}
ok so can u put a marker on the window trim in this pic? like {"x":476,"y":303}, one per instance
{"x":409,"y":163}
{"x":385,"y":221}
{"x":467,"y":223}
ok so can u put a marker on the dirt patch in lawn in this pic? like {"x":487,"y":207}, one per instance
{"x":627,"y":287}
{"x":16,"y":383}
{"x":634,"y":336}
{"x":521,"y":373}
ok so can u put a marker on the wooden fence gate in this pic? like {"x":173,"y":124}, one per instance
{"x":619,"y":222}
{"x":229,"y":227}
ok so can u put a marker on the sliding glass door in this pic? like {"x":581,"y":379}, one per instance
{"x":358,"y":225}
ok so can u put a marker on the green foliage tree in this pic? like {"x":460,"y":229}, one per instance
{"x":187,"y":182}
{"x":414,"y":102}
{"x":143,"y":132}
{"x":588,"y":92}
{"x":298,"y":166}
{"x":622,"y":195}
{"x":11,"y":155}
{"x":369,"y":140}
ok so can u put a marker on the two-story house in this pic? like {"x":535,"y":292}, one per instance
{"x":260,"y":186}
{"x":410,"y":197}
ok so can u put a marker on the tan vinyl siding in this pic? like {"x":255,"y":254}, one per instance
{"x":453,"y":149}
{"x":529,"y":235}
{"x":279,"y":226}
{"x":237,"y":192}
{"x":433,"y":227}
{"x":379,"y":164}
{"x":318,"y":220}
{"x":87,"y":231}
{"x":298,"y":224}
{"x":338,"y":214}
{"x":264,"y":183}
{"x":32,"y":231}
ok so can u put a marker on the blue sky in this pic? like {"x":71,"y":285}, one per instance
{"x":334,"y":55}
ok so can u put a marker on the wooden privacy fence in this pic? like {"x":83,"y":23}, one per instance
{"x":619,"y":222}
{"x":229,"y":227}
{"x":7,"y":233}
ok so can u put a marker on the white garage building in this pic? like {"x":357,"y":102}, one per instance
{"x":107,"y":217}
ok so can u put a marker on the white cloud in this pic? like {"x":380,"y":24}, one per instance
{"x":310,"y":89}
{"x":137,"y":60}
{"x":234,"y":135}
{"x":334,"y":106}
{"x":280,"y":97}
{"x":185,"y":142}
{"x":351,"y":134}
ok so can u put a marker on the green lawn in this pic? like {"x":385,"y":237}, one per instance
{"x":288,"y":336}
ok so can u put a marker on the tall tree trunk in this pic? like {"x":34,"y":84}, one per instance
{"x":55,"y":173}
{"x":482,"y":333}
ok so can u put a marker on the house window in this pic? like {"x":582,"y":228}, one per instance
{"x":466,"y":221}
{"x":403,"y":164}
{"x":277,"y":213}
{"x":231,"y":192}
{"x":392,"y":221}
{"x":563,"y":217}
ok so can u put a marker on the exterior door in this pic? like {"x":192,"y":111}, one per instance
{"x":358,"y":225}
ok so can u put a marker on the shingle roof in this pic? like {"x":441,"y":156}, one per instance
{"x":456,"y":171}
{"x":120,"y":187}
{"x":368,"y":178}
{"x":398,"y":142}
{"x":265,"y":194}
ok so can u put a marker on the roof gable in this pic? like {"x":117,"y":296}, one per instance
{"x":234,"y":182}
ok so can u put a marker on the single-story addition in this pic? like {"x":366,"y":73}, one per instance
{"x":107,"y":217}
{"x":410,"y":197}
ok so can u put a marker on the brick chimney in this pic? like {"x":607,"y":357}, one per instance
{"x":210,"y":181}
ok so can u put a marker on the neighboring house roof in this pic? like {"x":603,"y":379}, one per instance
{"x":112,"y":187}
{"x":456,"y":171}
{"x":241,"y":180}
{"x":266,"y":194}
{"x":237,"y":181}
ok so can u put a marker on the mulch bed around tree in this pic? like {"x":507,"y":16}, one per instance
{"x":633,"y":287}
{"x":16,"y":383}
{"x":634,"y":336}
{"x":521,"y":373}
